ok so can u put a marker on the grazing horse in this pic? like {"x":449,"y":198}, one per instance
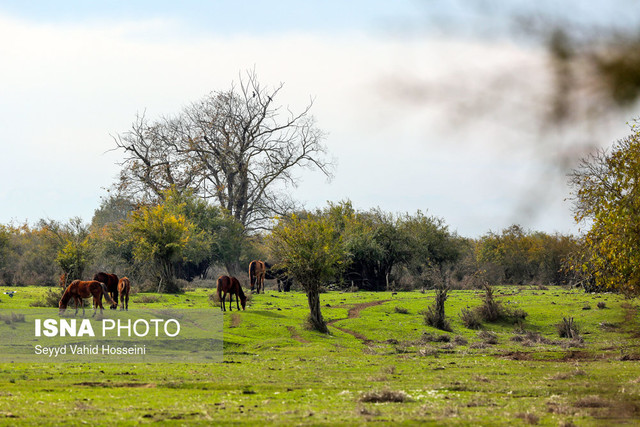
{"x":257,"y":270}
{"x":124,"y":286}
{"x":79,"y":289}
{"x":230,"y":285}
{"x":111,"y":280}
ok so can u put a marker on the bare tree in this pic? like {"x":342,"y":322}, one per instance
{"x":237,"y":147}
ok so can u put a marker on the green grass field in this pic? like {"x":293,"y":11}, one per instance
{"x":379,"y":364}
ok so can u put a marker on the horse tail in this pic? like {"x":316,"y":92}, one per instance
{"x":252,"y":273}
{"x":105,"y":292}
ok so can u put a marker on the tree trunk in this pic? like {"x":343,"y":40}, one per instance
{"x":315,"y":316}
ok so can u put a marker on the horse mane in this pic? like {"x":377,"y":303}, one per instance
{"x":241,"y":292}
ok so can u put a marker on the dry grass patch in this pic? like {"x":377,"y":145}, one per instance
{"x":592,"y":402}
{"x":567,"y":375}
{"x":384,"y":396}
{"x":528,"y":417}
{"x":235,"y":320}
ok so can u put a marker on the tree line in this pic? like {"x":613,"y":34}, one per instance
{"x":184,"y":238}
{"x":205,"y":190}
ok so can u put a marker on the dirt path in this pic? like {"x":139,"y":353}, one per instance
{"x":352,"y":314}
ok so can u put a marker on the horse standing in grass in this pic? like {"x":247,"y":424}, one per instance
{"x":124,"y":286}
{"x":78,"y":290}
{"x":257,"y":270}
{"x":111,"y":280}
{"x":230,"y":285}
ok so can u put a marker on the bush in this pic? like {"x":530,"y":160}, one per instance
{"x":568,"y":328}
{"x":490,"y":309}
{"x":470,"y":318}
{"x":434,"y":315}
{"x":493,"y":311}
{"x":50,"y":299}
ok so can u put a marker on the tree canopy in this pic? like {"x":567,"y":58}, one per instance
{"x":606,"y":192}
{"x":237,"y":147}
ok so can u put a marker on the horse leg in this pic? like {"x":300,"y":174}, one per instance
{"x":224,"y":295}
{"x":238,"y":301}
{"x":126,"y":300}
{"x":230,"y":301}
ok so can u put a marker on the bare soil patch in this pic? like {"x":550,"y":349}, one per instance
{"x":353,"y":313}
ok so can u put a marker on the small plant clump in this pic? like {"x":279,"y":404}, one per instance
{"x":401,"y":310}
{"x":568,"y":328}
{"x":471,"y":318}
{"x":490,"y":311}
{"x":385,"y":396}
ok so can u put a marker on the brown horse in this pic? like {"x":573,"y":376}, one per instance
{"x":257,"y":270}
{"x":231,"y":286}
{"x":79,"y":289}
{"x":124,"y":286}
{"x":111,"y":280}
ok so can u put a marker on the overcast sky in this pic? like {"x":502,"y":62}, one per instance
{"x":419,"y":111}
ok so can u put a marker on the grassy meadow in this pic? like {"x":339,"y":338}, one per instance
{"x":380,"y":363}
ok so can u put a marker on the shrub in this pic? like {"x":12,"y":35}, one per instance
{"x":401,"y":310}
{"x":568,"y":328}
{"x":492,"y":310}
{"x":470,"y":318}
{"x":489,"y":311}
{"x":434,"y":315}
{"x":50,"y":299}
{"x":602,"y":305}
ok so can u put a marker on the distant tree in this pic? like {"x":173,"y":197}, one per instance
{"x":606,"y":194}
{"x":237,"y":147}
{"x":73,"y":246}
{"x":311,"y":249}
{"x":428,"y":244}
{"x":222,"y":238}
{"x":160,"y":237}
{"x":113,"y":209}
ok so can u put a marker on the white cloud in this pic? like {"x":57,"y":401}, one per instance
{"x":65,"y":89}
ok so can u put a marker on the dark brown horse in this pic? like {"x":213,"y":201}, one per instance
{"x":231,"y":286}
{"x":124,"y":286}
{"x":79,"y":289}
{"x":257,"y":270}
{"x":111,"y":280}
